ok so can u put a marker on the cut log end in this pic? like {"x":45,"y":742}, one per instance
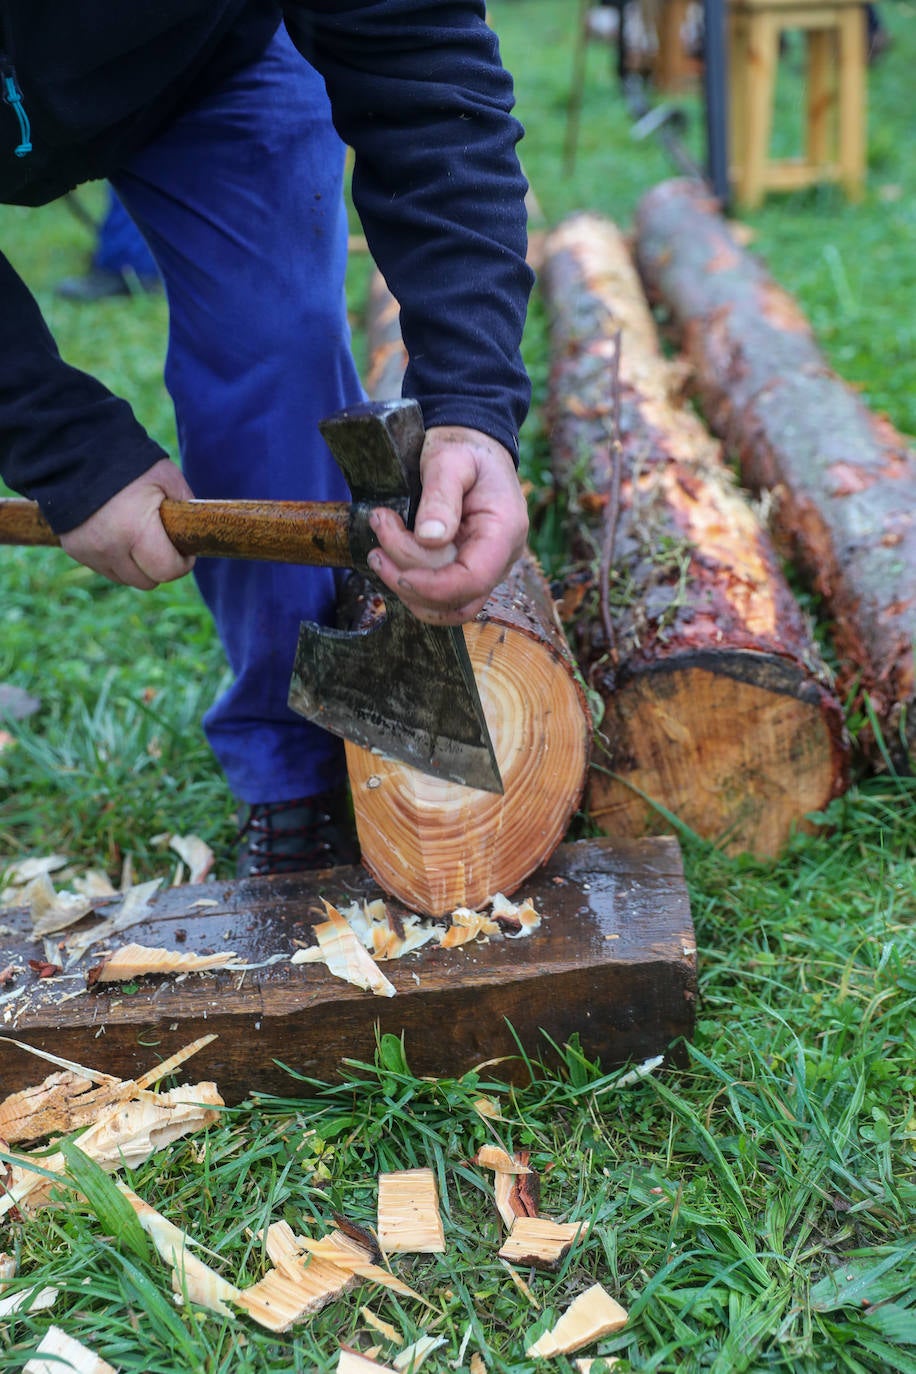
{"x":748,"y":785}
{"x":437,"y":845}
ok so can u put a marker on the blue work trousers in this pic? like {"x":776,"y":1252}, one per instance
{"x":240,"y":200}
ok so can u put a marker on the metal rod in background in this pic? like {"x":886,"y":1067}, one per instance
{"x":715,"y":83}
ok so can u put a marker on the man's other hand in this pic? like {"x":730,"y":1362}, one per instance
{"x":471,"y":526}
{"x":125,"y":540}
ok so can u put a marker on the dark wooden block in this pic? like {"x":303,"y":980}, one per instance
{"x":614,"y":961}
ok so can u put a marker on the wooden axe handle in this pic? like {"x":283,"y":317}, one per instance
{"x":312,"y":532}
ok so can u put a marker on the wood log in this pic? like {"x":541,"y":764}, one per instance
{"x":434,"y":844}
{"x":613,"y":960}
{"x":843,"y":480}
{"x":717,"y":705}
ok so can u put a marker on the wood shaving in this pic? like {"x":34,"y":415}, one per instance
{"x":28,"y":1300}
{"x":133,"y":909}
{"x":590,"y":1316}
{"x":465,"y":926}
{"x":408,"y":1213}
{"x":52,"y":911}
{"x":65,"y":1353}
{"x":190,"y":1276}
{"x":378,"y":1324}
{"x":345,"y":956}
{"x":408,"y":1360}
{"x":348,"y":1255}
{"x":196,"y":853}
{"x":136,"y":961}
{"x":124,"y":1135}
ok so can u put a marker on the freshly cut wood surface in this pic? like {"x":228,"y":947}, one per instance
{"x":717,"y":704}
{"x":613,"y":961}
{"x":436,"y":845}
{"x":843,"y":479}
{"x":409,"y":1221}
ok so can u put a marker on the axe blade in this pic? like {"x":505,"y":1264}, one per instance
{"x":401,"y":688}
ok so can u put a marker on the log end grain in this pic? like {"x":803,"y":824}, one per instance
{"x":738,"y":755}
{"x":436,"y":845}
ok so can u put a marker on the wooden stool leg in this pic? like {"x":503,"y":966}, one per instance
{"x":762,"y":51}
{"x":851,"y":89}
{"x":821,"y":108}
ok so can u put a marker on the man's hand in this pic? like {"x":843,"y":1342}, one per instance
{"x":471,"y":526}
{"x":125,"y":540}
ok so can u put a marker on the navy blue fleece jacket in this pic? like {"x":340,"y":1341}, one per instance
{"x":416,"y":89}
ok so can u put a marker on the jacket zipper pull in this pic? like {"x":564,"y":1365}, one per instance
{"x":13,"y":97}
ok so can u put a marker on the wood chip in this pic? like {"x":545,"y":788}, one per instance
{"x":590,"y":1316}
{"x":65,"y":1353}
{"x":298,"y":1284}
{"x":345,"y":955}
{"x":135,"y":961}
{"x":496,"y":1158}
{"x":351,"y":1362}
{"x":539,"y":1242}
{"x":408,"y":1213}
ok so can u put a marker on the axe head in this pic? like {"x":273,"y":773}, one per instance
{"x":401,"y":688}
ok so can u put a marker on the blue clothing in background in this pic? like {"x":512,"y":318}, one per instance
{"x":120,"y":246}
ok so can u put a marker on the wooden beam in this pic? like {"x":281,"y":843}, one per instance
{"x":614,"y":961}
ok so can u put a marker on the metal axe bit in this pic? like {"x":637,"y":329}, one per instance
{"x":403,"y":688}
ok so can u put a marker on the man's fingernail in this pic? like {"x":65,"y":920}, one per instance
{"x":405,"y":585}
{"x":373,"y":520}
{"x":431,"y":529}
{"x":374,"y":560}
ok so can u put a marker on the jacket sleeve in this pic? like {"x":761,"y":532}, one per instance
{"x":418,"y":91}
{"x":65,"y":441}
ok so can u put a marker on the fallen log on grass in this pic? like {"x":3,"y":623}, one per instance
{"x":717,"y":705}
{"x":435,"y":844}
{"x":843,"y":480}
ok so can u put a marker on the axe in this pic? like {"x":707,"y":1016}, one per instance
{"x":403,"y":688}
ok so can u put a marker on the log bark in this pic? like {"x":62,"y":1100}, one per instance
{"x":436,"y":845}
{"x":843,"y":480}
{"x":614,"y":961}
{"x":717,"y":705}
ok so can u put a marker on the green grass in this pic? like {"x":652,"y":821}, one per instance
{"x":754,"y":1210}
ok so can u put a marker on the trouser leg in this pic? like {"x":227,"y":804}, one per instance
{"x":120,"y":244}
{"x":241,"y":202}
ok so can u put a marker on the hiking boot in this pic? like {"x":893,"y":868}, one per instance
{"x":291,"y":836}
